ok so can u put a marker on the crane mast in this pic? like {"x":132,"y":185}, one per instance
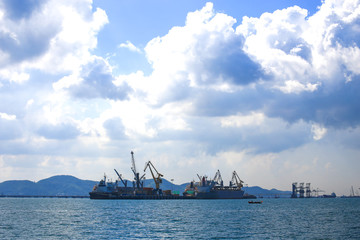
{"x":137,"y":177}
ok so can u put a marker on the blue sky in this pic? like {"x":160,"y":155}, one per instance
{"x":267,"y":89}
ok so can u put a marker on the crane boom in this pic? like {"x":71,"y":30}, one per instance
{"x":157,"y":179}
{"x":133,"y":168}
{"x":218,"y":179}
{"x":236,"y":180}
{"x":119,"y":175}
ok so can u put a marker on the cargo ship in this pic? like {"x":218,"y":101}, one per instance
{"x":120,"y":189}
{"x":112,"y":190}
{"x":215,"y":189}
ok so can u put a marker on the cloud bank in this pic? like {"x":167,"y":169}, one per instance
{"x":285,"y":64}
{"x":223,"y":92}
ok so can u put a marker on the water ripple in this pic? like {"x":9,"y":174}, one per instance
{"x":179,"y":219}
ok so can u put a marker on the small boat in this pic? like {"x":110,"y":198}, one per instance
{"x":255,"y":202}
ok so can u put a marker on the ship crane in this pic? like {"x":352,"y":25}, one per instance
{"x":203,"y":180}
{"x":218,"y":179}
{"x":137,"y":177}
{"x":157,"y":179}
{"x":119,"y":175}
{"x":235,"y":180}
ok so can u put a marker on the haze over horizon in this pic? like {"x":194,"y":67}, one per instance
{"x":270,"y":90}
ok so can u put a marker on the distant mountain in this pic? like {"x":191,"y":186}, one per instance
{"x":62,"y":185}
{"x":260,"y":192}
{"x":65,"y":185}
{"x":18,"y":187}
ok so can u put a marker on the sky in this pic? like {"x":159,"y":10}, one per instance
{"x":269,"y":89}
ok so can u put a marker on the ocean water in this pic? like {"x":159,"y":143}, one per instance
{"x":48,"y":218}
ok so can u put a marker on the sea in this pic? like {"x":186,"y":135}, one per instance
{"x":281,"y":218}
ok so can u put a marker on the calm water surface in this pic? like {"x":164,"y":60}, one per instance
{"x":42,"y":218}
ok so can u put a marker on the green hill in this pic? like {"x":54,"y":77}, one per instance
{"x":62,"y":185}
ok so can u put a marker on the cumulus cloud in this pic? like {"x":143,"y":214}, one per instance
{"x":61,"y":43}
{"x":94,"y":80}
{"x":275,"y":41}
{"x":284,"y":64}
{"x":205,"y":53}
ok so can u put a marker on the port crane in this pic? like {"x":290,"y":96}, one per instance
{"x":119,"y":175}
{"x":218,"y":179}
{"x":157,"y":179}
{"x":235,"y":180}
{"x":138,"y":183}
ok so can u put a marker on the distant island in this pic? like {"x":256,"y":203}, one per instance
{"x":65,"y":185}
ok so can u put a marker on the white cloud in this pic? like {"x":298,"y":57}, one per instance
{"x":331,"y":34}
{"x":205,"y":53}
{"x":318,"y":131}
{"x":7,"y":116}
{"x":14,"y":76}
{"x":309,"y":50}
{"x":136,"y":122}
{"x":70,"y":47}
{"x":130,"y":46}
{"x":275,"y":41}
{"x":239,"y":120}
{"x":293,"y":86}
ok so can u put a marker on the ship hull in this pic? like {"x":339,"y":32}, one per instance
{"x":97,"y":195}
{"x":220,"y":194}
